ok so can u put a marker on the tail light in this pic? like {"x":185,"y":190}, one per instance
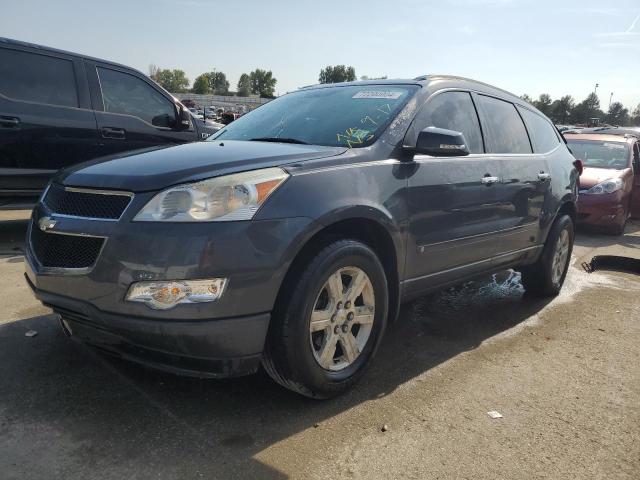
{"x":579,"y":166}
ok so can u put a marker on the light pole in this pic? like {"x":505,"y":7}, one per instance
{"x":596,"y":89}
{"x":610,"y":97}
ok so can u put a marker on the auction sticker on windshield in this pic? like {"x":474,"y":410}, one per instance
{"x":378,"y":94}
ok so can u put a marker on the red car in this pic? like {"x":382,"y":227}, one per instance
{"x":610,"y":182}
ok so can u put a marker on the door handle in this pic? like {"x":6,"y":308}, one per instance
{"x":9,"y":122}
{"x":110,"y":132}
{"x":489,"y":180}
{"x":544,"y":176}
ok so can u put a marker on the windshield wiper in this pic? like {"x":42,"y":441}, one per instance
{"x":279,"y":139}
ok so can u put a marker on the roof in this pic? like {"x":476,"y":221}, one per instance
{"x":394,"y":81}
{"x":423,"y":80}
{"x":18,"y":43}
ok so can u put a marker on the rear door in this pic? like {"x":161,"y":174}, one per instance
{"x":131,"y":112}
{"x":46,"y":122}
{"x":453,"y":209}
{"x":525,"y":177}
{"x":635,"y":194}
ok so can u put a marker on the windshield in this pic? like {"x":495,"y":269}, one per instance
{"x":599,"y":154}
{"x":349,"y":116}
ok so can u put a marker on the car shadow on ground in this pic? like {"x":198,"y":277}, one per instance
{"x":68,"y":410}
{"x":592,"y":238}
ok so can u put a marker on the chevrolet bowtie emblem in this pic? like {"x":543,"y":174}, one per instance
{"x":46,"y":223}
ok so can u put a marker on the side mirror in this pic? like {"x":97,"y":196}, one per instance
{"x":440,"y":142}
{"x":183,"y":118}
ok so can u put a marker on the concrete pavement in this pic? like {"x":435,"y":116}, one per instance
{"x":564,"y":375}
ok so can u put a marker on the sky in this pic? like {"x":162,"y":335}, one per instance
{"x":557,"y":47}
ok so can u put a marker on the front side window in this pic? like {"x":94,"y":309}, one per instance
{"x":340,"y":116}
{"x":542,"y":132}
{"x":129,"y":95}
{"x":503,"y":128}
{"x":37,"y":78}
{"x":453,"y":111}
{"x":600,"y":154}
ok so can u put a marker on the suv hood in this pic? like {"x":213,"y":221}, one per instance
{"x":592,"y":176}
{"x":160,"y":167}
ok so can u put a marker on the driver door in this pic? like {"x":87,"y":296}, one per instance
{"x":454,"y":211}
{"x":130,"y":112}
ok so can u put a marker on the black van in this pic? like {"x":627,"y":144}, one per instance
{"x":59,"y":108}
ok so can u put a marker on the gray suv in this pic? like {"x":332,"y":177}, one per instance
{"x":290,"y":238}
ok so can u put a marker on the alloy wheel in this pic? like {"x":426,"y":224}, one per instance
{"x":342,"y":318}
{"x":560,"y":256}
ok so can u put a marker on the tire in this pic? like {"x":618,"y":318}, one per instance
{"x":301,"y":360}
{"x":619,"y":229}
{"x":540,"y":279}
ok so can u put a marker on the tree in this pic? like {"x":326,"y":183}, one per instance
{"x":618,"y":114}
{"x":201,"y":85}
{"x":526,"y":98}
{"x":175,"y":81}
{"x":337,"y":74}
{"x":218,"y":83}
{"x":593,"y":102}
{"x":587,"y":109}
{"x":262,"y":83}
{"x":244,"y":85}
{"x":561,"y":109}
{"x":635,"y":116}
{"x":543,"y":104}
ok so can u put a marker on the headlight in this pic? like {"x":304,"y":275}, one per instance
{"x":608,"y":186}
{"x":220,"y":199}
{"x":163,"y":295}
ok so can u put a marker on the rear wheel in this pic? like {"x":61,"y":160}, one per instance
{"x":326,"y":329}
{"x":546,"y":276}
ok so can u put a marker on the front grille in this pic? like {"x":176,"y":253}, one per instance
{"x":64,"y":251}
{"x":85,"y":203}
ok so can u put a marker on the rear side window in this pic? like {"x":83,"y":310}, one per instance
{"x":454,"y":111}
{"x":129,"y":95}
{"x":503,"y":128}
{"x":542,"y":133}
{"x":37,"y":78}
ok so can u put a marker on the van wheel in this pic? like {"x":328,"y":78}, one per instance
{"x":328,"y":321}
{"x":545,"y":277}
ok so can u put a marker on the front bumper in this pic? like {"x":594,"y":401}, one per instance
{"x":204,"y":348}
{"x":607,"y":210}
{"x":222,"y":338}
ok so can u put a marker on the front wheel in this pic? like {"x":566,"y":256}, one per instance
{"x":329,"y":321}
{"x":545,"y":277}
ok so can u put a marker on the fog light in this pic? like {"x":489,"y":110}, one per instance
{"x":163,"y":295}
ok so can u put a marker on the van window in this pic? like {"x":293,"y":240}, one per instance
{"x":130,"y":95}
{"x":453,"y":111}
{"x":37,"y":78}
{"x":543,"y":134}
{"x":503,"y":129}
